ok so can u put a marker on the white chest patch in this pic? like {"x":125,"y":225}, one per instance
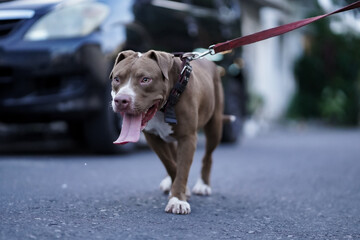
{"x":159,"y":127}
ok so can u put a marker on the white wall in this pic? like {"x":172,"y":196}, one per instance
{"x":269,"y":64}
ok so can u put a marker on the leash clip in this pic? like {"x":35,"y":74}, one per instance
{"x":197,"y":55}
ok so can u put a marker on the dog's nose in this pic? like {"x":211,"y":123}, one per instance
{"x":122,"y":101}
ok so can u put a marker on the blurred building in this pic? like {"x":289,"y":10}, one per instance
{"x":269,"y":64}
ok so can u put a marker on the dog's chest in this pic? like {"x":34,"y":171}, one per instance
{"x":159,"y":127}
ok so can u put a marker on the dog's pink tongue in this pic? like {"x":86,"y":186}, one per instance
{"x":130,"y":130}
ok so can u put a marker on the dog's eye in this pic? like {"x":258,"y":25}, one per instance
{"x":145,"y":80}
{"x":117,"y":79}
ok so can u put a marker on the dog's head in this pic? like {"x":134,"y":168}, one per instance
{"x":140,"y":85}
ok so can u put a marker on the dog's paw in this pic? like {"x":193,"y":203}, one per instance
{"x":201,"y":188}
{"x":165,"y":184}
{"x":177,"y":206}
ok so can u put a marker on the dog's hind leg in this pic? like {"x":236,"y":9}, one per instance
{"x":213,"y":131}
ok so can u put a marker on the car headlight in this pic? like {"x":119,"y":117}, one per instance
{"x":69,"y":21}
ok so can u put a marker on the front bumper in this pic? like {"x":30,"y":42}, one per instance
{"x":45,"y":82}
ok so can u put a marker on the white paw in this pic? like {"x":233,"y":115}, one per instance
{"x":165,"y":184}
{"x":177,"y":206}
{"x":201,"y":188}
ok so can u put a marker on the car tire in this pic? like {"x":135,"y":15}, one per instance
{"x":234,"y":101}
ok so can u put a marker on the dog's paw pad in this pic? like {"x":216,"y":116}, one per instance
{"x":201,"y":188}
{"x":177,"y":206}
{"x":165,"y":184}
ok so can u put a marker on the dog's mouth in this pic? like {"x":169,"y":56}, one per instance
{"x":133,"y":124}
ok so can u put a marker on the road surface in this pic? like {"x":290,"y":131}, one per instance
{"x":289,"y":183}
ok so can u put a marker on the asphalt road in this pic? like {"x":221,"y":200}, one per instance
{"x":284,"y":184}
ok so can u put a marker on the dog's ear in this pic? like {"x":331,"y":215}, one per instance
{"x":121,"y":56}
{"x":164,"y":60}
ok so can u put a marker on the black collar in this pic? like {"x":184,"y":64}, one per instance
{"x":178,"y":89}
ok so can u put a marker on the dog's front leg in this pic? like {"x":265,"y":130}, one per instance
{"x":185,"y":152}
{"x":165,"y":151}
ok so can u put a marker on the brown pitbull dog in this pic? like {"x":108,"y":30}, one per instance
{"x":141,"y":84}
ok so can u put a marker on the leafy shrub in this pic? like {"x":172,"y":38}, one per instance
{"x":328,"y":77}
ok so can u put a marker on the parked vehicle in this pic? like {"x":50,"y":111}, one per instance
{"x":56,"y":56}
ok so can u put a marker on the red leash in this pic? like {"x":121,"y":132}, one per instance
{"x":170,"y":116}
{"x":259,"y":36}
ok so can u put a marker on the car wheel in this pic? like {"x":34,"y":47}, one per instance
{"x":234,"y":101}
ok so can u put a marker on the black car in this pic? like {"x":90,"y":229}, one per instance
{"x":56,"y":56}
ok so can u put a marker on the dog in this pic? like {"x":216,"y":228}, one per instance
{"x":141,"y":85}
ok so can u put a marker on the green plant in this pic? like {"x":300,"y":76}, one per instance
{"x":328,"y":77}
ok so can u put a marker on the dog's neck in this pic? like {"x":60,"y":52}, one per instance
{"x":179,"y":86}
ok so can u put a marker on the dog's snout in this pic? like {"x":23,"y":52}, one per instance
{"x":122,"y":101}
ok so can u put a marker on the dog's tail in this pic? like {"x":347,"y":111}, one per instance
{"x":228,"y":118}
